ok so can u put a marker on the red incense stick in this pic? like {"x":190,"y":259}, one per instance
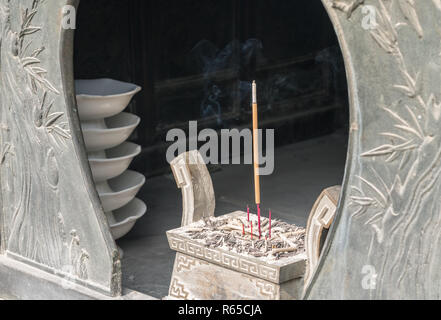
{"x":258,"y":220}
{"x":248,"y":213}
{"x":243,"y":229}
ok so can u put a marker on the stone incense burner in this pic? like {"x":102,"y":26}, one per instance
{"x":216,"y":260}
{"x":223,"y":257}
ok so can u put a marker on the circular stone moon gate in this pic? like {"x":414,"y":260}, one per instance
{"x":385,"y":241}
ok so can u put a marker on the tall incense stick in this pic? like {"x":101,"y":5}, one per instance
{"x":256,"y":153}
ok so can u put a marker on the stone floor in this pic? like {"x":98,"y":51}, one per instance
{"x":302,"y":171}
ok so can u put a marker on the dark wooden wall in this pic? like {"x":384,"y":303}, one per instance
{"x":188,"y":53}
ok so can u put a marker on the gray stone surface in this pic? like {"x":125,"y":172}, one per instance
{"x":196,"y":279}
{"x":388,"y":224}
{"x":50,"y":214}
{"x":20,"y":281}
{"x":194,"y":180}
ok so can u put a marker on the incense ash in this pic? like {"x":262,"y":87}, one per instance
{"x":234,"y":234}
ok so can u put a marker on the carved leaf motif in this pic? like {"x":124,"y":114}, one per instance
{"x":32,"y":223}
{"x":347,"y":6}
{"x":36,"y":75}
{"x":385,"y":33}
{"x":394,"y":150}
{"x":399,"y":204}
{"x":390,"y":150}
{"x":408,"y":9}
{"x":6,"y":150}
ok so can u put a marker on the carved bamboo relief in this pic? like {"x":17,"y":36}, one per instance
{"x":32,"y":136}
{"x":49,"y":216}
{"x":385,"y":240}
{"x":390,"y":217}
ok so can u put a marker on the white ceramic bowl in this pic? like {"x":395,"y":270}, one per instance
{"x":124,"y":219}
{"x":113,"y":162}
{"x":102,"y":98}
{"x":118,"y":192}
{"x":111,"y":132}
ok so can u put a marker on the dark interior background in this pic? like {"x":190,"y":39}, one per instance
{"x":195,"y":60}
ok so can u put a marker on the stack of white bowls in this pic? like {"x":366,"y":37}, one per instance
{"x":105,"y":129}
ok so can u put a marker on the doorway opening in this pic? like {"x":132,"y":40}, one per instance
{"x":195,"y":60}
